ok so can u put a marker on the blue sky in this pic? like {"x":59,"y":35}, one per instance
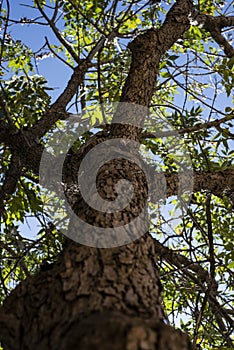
{"x":56,"y":73}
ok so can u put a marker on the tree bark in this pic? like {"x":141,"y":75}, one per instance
{"x":91,"y":299}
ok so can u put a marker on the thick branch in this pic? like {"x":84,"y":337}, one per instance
{"x":6,"y":132}
{"x":216,"y":182}
{"x":57,"y":110}
{"x":11,"y":178}
{"x":6,"y":112}
{"x":181,"y":261}
{"x":219,"y":183}
{"x":147,"y":50}
{"x":214,"y":26}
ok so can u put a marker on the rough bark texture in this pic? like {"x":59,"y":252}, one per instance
{"x":91,"y":299}
{"x":147,"y":50}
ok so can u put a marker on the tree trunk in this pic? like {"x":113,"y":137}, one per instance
{"x":91,"y":299}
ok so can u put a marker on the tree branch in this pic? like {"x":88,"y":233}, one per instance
{"x":180,"y":261}
{"x":191,"y":129}
{"x":214,"y":25}
{"x":210,"y":239}
{"x":58,"y":34}
{"x":147,"y":50}
{"x":216,"y":182}
{"x":57,"y":110}
{"x":5,"y":110}
{"x":11,"y":178}
{"x":200,"y":277}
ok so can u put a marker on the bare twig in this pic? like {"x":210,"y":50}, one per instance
{"x":56,"y":55}
{"x":210,"y":237}
{"x":58,"y":34}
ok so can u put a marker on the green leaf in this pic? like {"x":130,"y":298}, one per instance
{"x":165,"y":74}
{"x":231,"y":265}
